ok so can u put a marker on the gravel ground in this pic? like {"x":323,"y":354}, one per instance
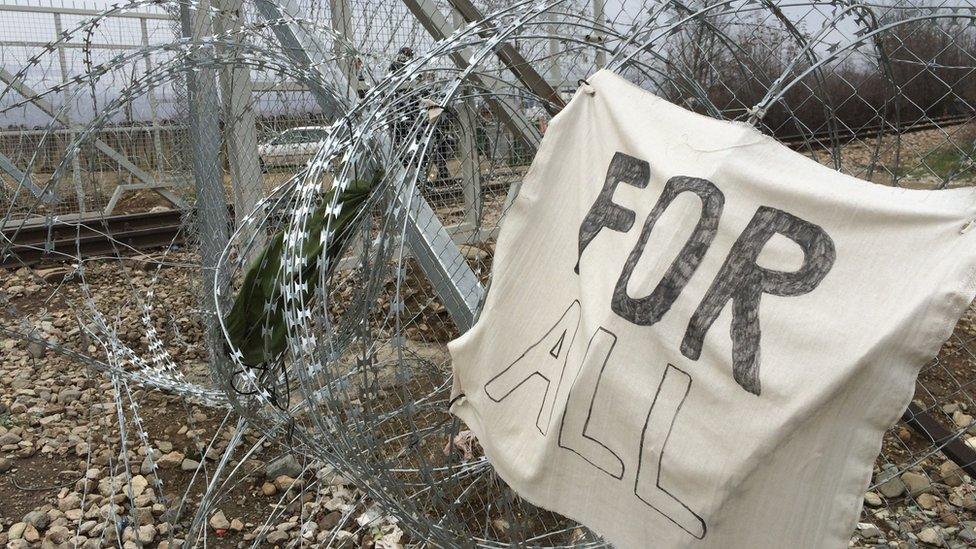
{"x":67,"y":479}
{"x":63,"y":480}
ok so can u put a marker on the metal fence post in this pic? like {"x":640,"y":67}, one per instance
{"x":75,"y":161}
{"x":598,"y":38}
{"x":23,"y":180}
{"x":211,"y":206}
{"x":470,"y":165}
{"x":341,"y":13}
{"x":153,"y":102}
{"x":469,"y":157}
{"x":240,"y":124}
{"x":555,"y":74}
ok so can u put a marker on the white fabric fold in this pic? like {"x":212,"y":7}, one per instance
{"x":743,"y":326}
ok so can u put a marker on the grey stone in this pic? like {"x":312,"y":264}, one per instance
{"x":868,"y":530}
{"x":21,"y":382}
{"x":277,"y":536}
{"x":892,"y":488}
{"x":38,"y":518}
{"x":9,"y":438}
{"x":285,"y":465}
{"x":916,"y":483}
{"x":36,"y":349}
{"x":68,"y":396}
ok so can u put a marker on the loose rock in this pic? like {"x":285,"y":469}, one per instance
{"x":17,"y":531}
{"x":172,"y":460}
{"x":285,"y":465}
{"x":872,"y":499}
{"x":927,"y":501}
{"x":894,"y":487}
{"x":951,"y":474}
{"x":219,"y":522}
{"x":915,"y":482}
{"x":930,"y":536}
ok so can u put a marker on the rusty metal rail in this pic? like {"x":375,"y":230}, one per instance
{"x":59,"y":241}
{"x":846,"y":135}
{"x":950,"y":443}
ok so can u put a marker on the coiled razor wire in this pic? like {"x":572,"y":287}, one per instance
{"x":363,"y":378}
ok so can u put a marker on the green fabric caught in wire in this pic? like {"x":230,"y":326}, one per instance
{"x":256,"y":324}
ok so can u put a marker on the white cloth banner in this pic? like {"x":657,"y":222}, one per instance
{"x":696,"y":337}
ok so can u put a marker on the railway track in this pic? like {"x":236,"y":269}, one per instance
{"x":846,"y":135}
{"x":31,"y":243}
{"x":452,"y":190}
